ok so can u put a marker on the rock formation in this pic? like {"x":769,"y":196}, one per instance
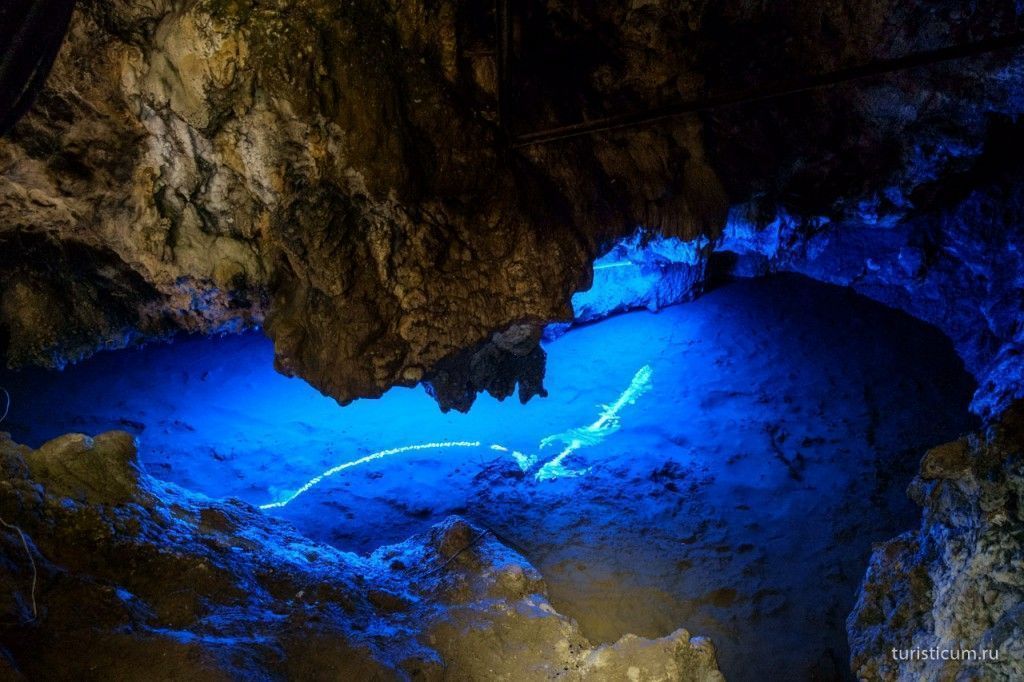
{"x":957,"y":265}
{"x":338,"y":172}
{"x":936,"y":600}
{"x":113,"y":572}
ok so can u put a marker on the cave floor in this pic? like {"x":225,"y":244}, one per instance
{"x":739,"y":497}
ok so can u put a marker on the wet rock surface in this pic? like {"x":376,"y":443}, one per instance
{"x":956,"y":584}
{"x":130,"y":574}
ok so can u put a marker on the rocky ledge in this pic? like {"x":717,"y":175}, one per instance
{"x":113,"y":572}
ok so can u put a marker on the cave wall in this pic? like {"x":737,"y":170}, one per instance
{"x":339,"y":174}
{"x":954,"y":584}
{"x":956,"y":263}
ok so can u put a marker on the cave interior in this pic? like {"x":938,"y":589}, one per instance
{"x":512,"y":341}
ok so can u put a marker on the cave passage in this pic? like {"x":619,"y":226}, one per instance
{"x":738,"y":496}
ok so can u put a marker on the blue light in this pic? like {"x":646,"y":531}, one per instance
{"x":447,"y":445}
{"x":212,"y":415}
{"x":749,"y":439}
{"x":641,"y":272}
{"x":607,"y":423}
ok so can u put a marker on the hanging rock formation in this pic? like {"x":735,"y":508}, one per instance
{"x":338,"y":172}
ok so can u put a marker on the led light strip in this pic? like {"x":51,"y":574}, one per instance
{"x":606,"y":424}
{"x":369,"y":458}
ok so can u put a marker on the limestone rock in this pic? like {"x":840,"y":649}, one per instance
{"x":936,"y":601}
{"x":337,"y":172}
{"x":132,"y":578}
{"x":957,"y":266}
{"x":101,"y":470}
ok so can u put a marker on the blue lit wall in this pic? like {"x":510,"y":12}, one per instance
{"x":967,"y":279}
{"x":203,"y":408}
{"x":641,"y":272}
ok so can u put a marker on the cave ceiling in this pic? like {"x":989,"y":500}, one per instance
{"x":357,"y":178}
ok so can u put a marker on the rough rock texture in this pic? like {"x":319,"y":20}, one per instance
{"x":336,"y":171}
{"x":640,"y":272}
{"x":956,"y":583}
{"x":138,"y":575}
{"x":347,"y":186}
{"x":955,"y":262}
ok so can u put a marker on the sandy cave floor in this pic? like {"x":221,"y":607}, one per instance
{"x":739,"y":497}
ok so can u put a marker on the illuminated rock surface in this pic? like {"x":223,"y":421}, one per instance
{"x":335,"y":174}
{"x":959,"y":266}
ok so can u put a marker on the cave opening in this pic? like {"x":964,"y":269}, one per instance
{"x":722,"y":465}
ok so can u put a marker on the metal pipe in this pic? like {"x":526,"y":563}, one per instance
{"x":772,"y":90}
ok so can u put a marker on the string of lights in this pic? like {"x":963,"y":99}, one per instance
{"x":607,"y":423}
